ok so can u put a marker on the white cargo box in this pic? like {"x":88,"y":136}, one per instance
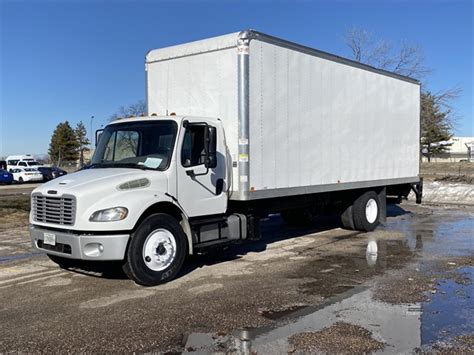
{"x":297,"y":120}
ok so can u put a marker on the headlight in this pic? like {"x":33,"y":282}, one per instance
{"x":109,"y":215}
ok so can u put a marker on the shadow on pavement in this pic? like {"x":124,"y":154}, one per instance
{"x":273,"y":229}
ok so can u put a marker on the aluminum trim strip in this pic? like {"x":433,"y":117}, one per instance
{"x":302,"y":190}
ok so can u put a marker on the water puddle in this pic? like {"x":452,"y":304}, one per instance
{"x":450,"y":311}
{"x":13,"y":257}
{"x":398,"y":326}
{"x":346,"y":282}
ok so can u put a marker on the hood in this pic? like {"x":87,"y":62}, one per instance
{"x":92,"y":181}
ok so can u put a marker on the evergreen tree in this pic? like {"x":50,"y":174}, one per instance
{"x":435,"y":125}
{"x":63,"y":146}
{"x":82,"y":141}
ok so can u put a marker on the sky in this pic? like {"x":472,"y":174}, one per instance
{"x":72,"y":59}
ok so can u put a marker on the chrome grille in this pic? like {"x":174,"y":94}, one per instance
{"x":57,"y":210}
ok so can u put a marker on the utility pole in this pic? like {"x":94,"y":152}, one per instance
{"x":92,"y":134}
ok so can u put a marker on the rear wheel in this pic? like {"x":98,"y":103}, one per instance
{"x":366,"y":211}
{"x":20,"y":180}
{"x":363,"y":214}
{"x":156,"y":251}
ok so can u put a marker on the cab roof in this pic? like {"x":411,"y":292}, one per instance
{"x":177,"y":119}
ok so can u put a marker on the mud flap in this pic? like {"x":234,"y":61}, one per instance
{"x":418,"y":190}
{"x":383,"y":205}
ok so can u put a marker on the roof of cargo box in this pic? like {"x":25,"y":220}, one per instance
{"x":230,"y":41}
{"x":192,"y":48}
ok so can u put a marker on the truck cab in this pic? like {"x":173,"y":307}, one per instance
{"x":169,"y":169}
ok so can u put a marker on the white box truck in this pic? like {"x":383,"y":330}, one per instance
{"x":238,"y":127}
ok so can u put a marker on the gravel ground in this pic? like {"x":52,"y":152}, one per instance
{"x":251,"y":296}
{"x":341,"y":338}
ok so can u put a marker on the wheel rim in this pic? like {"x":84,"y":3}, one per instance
{"x":371,"y":210}
{"x":159,"y":249}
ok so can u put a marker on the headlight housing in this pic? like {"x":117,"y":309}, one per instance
{"x":109,"y":215}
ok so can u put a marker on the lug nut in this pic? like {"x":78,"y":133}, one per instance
{"x":147,"y":259}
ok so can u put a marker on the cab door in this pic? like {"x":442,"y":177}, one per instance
{"x":201,"y":190}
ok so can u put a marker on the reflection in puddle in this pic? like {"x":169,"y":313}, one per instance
{"x":402,"y":327}
{"x":371,"y":253}
{"x":398,"y":326}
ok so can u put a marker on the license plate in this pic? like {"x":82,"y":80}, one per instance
{"x":49,"y":238}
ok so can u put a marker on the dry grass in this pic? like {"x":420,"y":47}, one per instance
{"x":14,"y":211}
{"x":451,"y":172}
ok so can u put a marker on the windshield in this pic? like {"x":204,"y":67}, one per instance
{"x":141,"y":145}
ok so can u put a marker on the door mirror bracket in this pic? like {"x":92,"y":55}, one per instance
{"x":210,"y":147}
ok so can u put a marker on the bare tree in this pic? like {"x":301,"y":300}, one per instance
{"x":437,"y":114}
{"x":134,"y":110}
{"x":404,"y":58}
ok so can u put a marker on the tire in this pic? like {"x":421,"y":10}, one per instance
{"x":347,"y":218}
{"x":156,"y":251}
{"x":64,"y":263}
{"x":298,"y":217}
{"x":20,"y":180}
{"x":366,"y":212}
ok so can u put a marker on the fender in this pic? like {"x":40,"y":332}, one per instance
{"x":168,"y":205}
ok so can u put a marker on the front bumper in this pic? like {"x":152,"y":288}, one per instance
{"x":83,"y":247}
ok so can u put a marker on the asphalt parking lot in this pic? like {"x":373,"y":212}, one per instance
{"x":296,"y":291}
{"x":16,"y":189}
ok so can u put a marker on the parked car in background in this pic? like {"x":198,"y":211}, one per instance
{"x":50,"y":173}
{"x":22,"y":175}
{"x":3,"y":164}
{"x":5,"y":177}
{"x":22,"y":161}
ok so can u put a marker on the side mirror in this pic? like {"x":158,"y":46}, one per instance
{"x":98,"y":133}
{"x":210,"y":138}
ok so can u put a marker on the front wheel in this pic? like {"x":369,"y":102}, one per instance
{"x":20,"y":180}
{"x":156,"y":251}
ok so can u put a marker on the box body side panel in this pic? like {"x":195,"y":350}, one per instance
{"x":318,"y":122}
{"x":203,"y":85}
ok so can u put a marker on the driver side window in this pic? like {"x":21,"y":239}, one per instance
{"x":193,"y":152}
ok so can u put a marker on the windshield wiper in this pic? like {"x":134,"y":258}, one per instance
{"x":121,"y":165}
{"x":133,"y":166}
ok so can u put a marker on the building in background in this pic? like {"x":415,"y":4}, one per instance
{"x":459,"y":149}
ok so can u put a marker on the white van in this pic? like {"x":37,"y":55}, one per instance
{"x":22,"y":161}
